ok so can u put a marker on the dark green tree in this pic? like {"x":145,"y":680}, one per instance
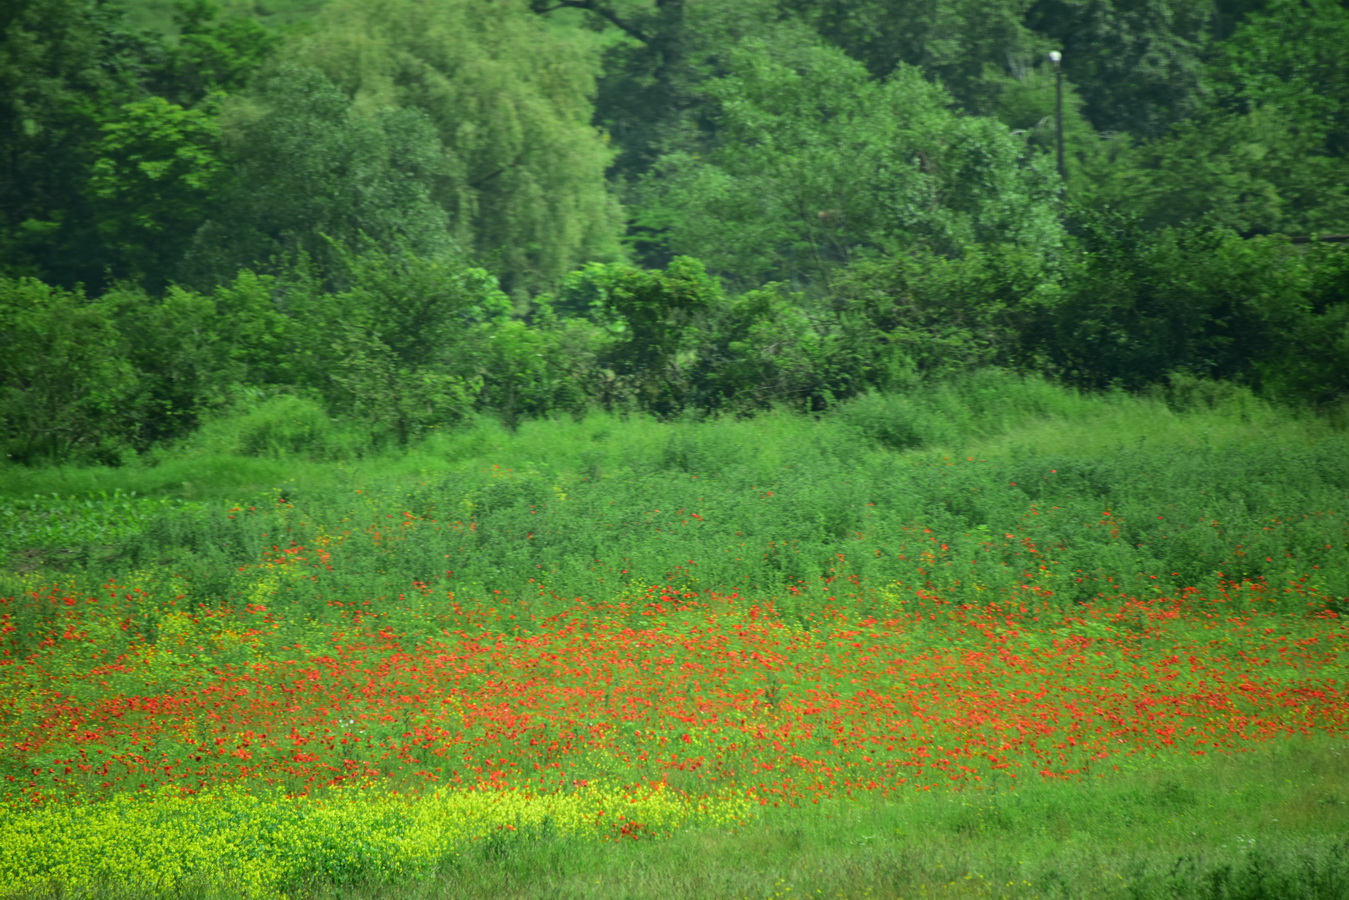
{"x":156,"y":168}
{"x":658,"y":323}
{"x":1258,"y":173}
{"x":1312,"y":364}
{"x":1138,"y":64}
{"x":966,"y":45}
{"x":816,"y":165}
{"x":645,"y":91}
{"x":765,"y":348}
{"x":67,"y":385}
{"x":1139,"y":305}
{"x":1025,"y":101}
{"x":311,"y":177}
{"x":935,"y":315}
{"x":1291,"y":57}
{"x":411,"y":341}
{"x":1269,"y":152}
{"x":546,"y":365}
{"x":657,"y":56}
{"x":66,"y":67}
{"x":185,"y":350}
{"x":211,"y":54}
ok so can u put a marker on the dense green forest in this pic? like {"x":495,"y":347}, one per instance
{"x":402,"y":215}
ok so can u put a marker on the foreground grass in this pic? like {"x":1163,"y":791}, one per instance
{"x":1219,"y":828}
{"x":1270,"y":823}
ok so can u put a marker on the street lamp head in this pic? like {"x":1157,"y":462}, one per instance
{"x":1055,"y":56}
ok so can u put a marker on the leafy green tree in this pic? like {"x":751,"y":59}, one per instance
{"x":422,"y":309}
{"x":212,"y":53}
{"x":1311,"y":363}
{"x":645,"y":90}
{"x":156,"y":167}
{"x":520,"y":174}
{"x":396,"y":401}
{"x":310,"y":176}
{"x":1290,"y":57}
{"x":184,"y":349}
{"x":271,"y":347}
{"x":66,"y":66}
{"x":545,"y":366}
{"x":1229,"y":14}
{"x":1138,"y":305}
{"x":407,"y":345}
{"x":765,"y":348}
{"x":66,"y":380}
{"x":658,"y":321}
{"x":816,"y":165}
{"x":657,"y":56}
{"x":1257,"y":172}
{"x":931,"y":315}
{"x":410,"y":350}
{"x":1025,"y":101}
{"x":103,"y":178}
{"x":1269,"y":152}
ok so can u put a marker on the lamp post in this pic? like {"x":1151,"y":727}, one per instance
{"x":1056,"y":57}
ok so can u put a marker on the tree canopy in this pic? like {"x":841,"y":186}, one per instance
{"x":521,"y":168}
{"x":311,"y":178}
{"x":814,"y":164}
{"x":404,"y":213}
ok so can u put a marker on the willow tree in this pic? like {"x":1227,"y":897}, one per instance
{"x":310,"y":178}
{"x":522,"y":177}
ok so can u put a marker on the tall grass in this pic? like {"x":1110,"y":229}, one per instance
{"x":1109,"y":495}
{"x":1216,"y":831}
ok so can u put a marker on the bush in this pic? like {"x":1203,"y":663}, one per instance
{"x":66,"y":383}
{"x":280,"y":426}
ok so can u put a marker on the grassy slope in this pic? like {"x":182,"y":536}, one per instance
{"x":779,"y":496}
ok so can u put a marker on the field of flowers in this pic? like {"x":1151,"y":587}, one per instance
{"x":226,"y":749}
{"x":288,"y":727}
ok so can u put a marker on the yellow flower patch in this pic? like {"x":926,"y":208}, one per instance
{"x":265,"y":846}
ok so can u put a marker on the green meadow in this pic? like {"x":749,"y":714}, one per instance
{"x":992,"y":638}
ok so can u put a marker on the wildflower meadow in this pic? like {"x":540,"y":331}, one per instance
{"x":763,"y":658}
